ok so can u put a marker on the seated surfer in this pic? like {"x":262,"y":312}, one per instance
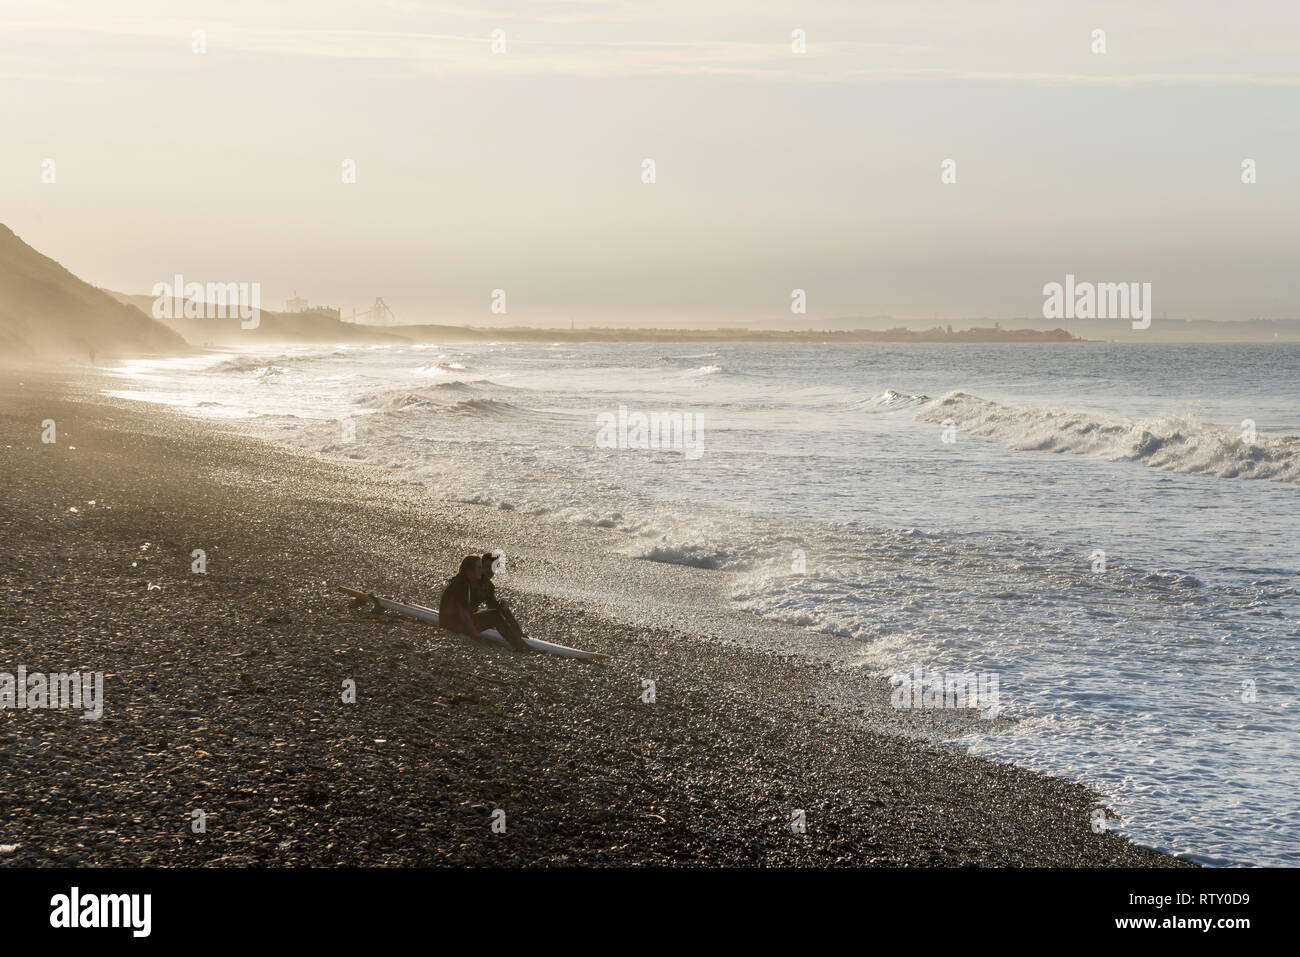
{"x":456,"y":606}
{"x":496,"y":613}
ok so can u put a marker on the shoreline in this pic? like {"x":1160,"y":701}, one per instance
{"x":222,"y":691}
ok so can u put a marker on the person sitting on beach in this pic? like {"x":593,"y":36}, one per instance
{"x":496,"y":613}
{"x":456,"y":606}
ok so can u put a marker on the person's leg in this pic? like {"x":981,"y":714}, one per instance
{"x":510,"y":629}
{"x":509,"y":616}
{"x":490,"y":618}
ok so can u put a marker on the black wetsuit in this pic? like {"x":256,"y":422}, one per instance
{"x":483,"y":592}
{"x":456,"y":606}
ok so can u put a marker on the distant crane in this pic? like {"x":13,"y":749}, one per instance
{"x":377,"y":315}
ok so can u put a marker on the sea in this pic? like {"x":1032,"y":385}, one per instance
{"x":1111,"y":530}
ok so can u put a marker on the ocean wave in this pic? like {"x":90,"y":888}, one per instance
{"x":708,"y":370}
{"x":445,"y":398}
{"x":1172,"y":443}
{"x":399,"y":400}
{"x":424,"y":396}
{"x":694,"y":555}
{"x":495,"y":408}
{"x":890,"y":401}
{"x":257,"y":365}
{"x":439,"y":368}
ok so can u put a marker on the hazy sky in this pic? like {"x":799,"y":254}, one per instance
{"x":775,"y":170}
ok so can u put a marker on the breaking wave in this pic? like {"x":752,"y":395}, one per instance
{"x":695,"y":555}
{"x":890,"y":401}
{"x":494,"y":408}
{"x":445,"y":398}
{"x":257,"y":365}
{"x":440,"y":368}
{"x":1172,"y":443}
{"x":694,"y":355}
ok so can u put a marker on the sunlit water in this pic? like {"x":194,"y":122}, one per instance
{"x":824,"y":484}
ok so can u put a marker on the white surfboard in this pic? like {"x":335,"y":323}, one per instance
{"x":431,"y":616}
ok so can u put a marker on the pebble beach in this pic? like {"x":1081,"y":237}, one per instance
{"x":227,"y":692}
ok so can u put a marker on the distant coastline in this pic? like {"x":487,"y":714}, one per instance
{"x":46,"y":311}
{"x":937,"y":334}
{"x":309,"y":327}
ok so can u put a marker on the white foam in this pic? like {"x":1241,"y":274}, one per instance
{"x":1173,"y":443}
{"x":815,"y":506}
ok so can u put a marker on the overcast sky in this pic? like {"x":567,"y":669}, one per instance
{"x":775,"y":170}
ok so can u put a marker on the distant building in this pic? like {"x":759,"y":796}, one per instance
{"x":377,"y":315}
{"x":300,"y":305}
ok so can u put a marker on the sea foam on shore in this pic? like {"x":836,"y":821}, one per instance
{"x":833,"y":498}
{"x":223,"y":689}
